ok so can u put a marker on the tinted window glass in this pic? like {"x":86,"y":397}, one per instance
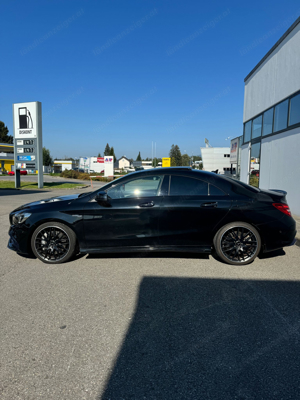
{"x":142,"y":187}
{"x":164,"y":189}
{"x":183,"y":186}
{"x":268,"y":122}
{"x":281,"y":113}
{"x":247,"y":132}
{"x":256,"y":127}
{"x":214,"y":191}
{"x":295,"y":110}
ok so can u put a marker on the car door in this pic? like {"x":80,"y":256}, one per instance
{"x":129,"y":218}
{"x":191,"y":211}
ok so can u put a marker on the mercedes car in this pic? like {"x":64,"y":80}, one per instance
{"x":162,"y":209}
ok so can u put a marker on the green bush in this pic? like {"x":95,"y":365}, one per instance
{"x":103,"y":179}
{"x":70,"y":173}
{"x":83,"y":176}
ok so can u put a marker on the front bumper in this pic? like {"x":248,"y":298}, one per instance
{"x":18,"y":239}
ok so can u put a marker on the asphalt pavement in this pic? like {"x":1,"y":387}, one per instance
{"x":146,"y":326}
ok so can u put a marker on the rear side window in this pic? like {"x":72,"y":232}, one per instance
{"x":184,"y":186}
{"x":214,"y":191}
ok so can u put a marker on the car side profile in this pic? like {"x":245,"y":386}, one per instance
{"x":162,"y":209}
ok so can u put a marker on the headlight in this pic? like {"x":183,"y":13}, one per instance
{"x":20,"y":217}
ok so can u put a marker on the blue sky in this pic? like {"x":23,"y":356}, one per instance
{"x":132,"y":72}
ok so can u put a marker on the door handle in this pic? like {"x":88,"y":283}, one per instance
{"x":210,"y":205}
{"x":150,"y":204}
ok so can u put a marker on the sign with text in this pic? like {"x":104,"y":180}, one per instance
{"x":234,"y":147}
{"x":108,"y":166}
{"x":27,"y":118}
{"x":166,"y":162}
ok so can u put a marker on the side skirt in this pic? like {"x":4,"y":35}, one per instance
{"x":134,"y":249}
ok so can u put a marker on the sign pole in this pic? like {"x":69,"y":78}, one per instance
{"x":39,"y":137}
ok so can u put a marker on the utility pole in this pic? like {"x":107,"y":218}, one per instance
{"x":152,"y":153}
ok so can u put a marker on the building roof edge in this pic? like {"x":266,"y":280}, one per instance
{"x":291,"y":28}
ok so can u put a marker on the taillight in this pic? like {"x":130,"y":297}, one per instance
{"x":283,"y":208}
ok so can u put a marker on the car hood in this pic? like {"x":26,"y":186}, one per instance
{"x":47,"y":201}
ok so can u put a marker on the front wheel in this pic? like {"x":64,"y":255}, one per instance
{"x":53,"y":243}
{"x":237,"y":243}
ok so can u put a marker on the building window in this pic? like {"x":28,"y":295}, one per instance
{"x":254,"y":164}
{"x":256,"y":127}
{"x":268,"y":122}
{"x":247,"y":132}
{"x":295,"y":110}
{"x":281,"y":113}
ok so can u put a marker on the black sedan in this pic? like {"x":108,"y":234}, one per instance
{"x":164,"y":209}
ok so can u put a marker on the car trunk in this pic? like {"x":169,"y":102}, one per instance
{"x":278,"y":196}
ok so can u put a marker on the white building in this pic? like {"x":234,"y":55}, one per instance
{"x":271,"y":138}
{"x":143,"y":164}
{"x":216,"y":158}
{"x":61,"y":165}
{"x":98,"y":165}
{"x":122,"y":163}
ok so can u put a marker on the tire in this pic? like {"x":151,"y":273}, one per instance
{"x":53,"y":243}
{"x":237,"y":243}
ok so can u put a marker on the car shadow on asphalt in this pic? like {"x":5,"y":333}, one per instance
{"x":12,"y":192}
{"x":193,"y":338}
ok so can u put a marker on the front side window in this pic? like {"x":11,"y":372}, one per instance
{"x":247,"y":132}
{"x":281,"y":114}
{"x":147,"y":186}
{"x":268,"y":122}
{"x":184,"y":186}
{"x":256,"y":127}
{"x":295,"y":110}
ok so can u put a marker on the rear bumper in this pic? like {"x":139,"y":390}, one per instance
{"x":279,"y":236}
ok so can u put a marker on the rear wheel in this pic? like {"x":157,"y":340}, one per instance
{"x":237,"y":243}
{"x":53,"y":243}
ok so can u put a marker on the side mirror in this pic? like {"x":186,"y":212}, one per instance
{"x":101,"y":197}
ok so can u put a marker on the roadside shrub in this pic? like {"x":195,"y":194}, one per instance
{"x":83,"y":176}
{"x":103,"y":179}
{"x":70,"y":173}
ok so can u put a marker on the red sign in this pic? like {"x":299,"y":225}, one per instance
{"x":100,"y":160}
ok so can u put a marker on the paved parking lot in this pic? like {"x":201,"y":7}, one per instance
{"x":159,"y":326}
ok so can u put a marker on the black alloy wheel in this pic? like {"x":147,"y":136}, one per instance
{"x":238,"y":243}
{"x":53,"y":243}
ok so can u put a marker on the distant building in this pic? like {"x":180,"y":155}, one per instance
{"x":122,"y":163}
{"x":143,"y":164}
{"x":6,"y":156}
{"x":61,"y":165}
{"x":216,"y":158}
